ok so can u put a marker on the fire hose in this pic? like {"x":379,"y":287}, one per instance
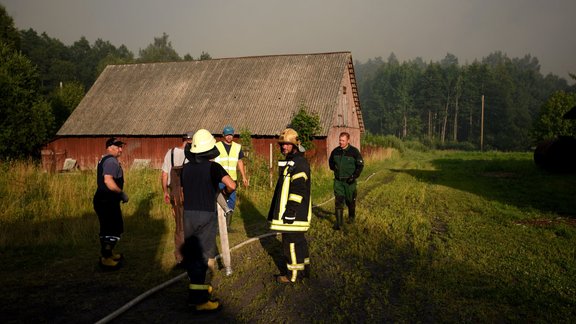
{"x":142,"y":296}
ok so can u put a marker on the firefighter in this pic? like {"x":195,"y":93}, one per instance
{"x":347,"y":164}
{"x":291,"y":208}
{"x":200,"y":179}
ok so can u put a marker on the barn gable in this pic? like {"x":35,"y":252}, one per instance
{"x":259,"y":94}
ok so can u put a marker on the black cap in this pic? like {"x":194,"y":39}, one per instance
{"x":114,"y":141}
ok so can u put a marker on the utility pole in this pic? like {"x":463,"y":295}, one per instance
{"x":429,"y":125}
{"x":482,"y":127}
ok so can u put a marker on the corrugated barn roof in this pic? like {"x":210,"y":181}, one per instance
{"x":260,"y":94}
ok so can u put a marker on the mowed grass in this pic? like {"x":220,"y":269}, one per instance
{"x":439,"y":237}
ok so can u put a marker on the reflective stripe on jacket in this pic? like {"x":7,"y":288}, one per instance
{"x":229,"y":161}
{"x":292,"y":196}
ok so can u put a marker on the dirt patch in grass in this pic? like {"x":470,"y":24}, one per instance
{"x":548,"y":222}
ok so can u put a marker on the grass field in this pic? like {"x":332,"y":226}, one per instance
{"x":440,"y":237}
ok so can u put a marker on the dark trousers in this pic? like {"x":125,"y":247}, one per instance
{"x":111,"y":223}
{"x":200,"y":230}
{"x":345,"y":193}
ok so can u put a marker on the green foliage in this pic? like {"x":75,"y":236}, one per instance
{"x":8,"y":32}
{"x":64,"y":100}
{"x":159,"y":51}
{"x":550,"y":123}
{"x":307,"y":125}
{"x":246,"y":141}
{"x":80,"y":62}
{"x":441,"y":101}
{"x":205,"y":56}
{"x":26,"y":119}
{"x":382,"y":141}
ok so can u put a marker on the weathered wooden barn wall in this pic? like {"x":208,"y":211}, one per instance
{"x":346,"y":117}
{"x":263,"y":146}
{"x":87,"y":151}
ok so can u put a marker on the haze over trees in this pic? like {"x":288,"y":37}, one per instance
{"x":440,"y":103}
{"x":42,"y":81}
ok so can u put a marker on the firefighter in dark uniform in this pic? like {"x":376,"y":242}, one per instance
{"x":347,"y":164}
{"x":291,"y":208}
{"x":109,"y":194}
{"x":200,"y":179}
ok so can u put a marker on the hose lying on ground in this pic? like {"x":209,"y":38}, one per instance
{"x":138,"y":299}
{"x":179,"y":277}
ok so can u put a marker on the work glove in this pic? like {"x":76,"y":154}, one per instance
{"x":289,"y":216}
{"x":123,"y":197}
{"x":350,"y":180}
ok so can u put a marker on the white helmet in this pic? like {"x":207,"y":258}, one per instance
{"x":202,"y":141}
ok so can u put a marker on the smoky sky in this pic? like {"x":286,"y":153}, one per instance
{"x":469,"y":29}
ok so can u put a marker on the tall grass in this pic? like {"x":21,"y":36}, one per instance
{"x":456,"y":237}
{"x":439,"y":237}
{"x":50,"y":208}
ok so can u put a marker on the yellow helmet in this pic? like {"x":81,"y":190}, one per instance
{"x":202,"y":141}
{"x":289,"y":136}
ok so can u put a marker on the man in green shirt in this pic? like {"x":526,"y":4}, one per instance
{"x":347,"y":164}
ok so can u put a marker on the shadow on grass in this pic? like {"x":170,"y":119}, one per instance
{"x":255,"y":225}
{"x":61,"y":282}
{"x":403,"y":284}
{"x":515,"y":182}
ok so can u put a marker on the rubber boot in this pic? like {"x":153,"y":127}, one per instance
{"x":200,"y":301}
{"x":117,"y":256}
{"x":339,"y":218}
{"x":108,"y":260}
{"x":351,"y":213}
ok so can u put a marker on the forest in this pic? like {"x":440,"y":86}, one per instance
{"x":441,"y":103}
{"x":502,"y":103}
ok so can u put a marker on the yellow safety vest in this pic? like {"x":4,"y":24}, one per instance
{"x":229,"y":161}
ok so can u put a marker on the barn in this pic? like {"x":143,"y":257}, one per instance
{"x":150,"y":105}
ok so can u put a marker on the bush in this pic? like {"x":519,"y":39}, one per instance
{"x":382,"y":141}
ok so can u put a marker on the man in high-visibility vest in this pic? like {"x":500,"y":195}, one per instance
{"x":291,"y":209}
{"x":231,"y":160}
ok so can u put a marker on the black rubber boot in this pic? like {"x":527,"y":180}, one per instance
{"x":339,"y":219}
{"x":109,"y":261}
{"x":351,"y":213}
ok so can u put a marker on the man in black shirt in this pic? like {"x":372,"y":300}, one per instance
{"x":200,"y":179}
{"x":109,"y":194}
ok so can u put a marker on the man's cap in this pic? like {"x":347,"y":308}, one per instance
{"x":228,"y":130}
{"x":114,"y":141}
{"x":188,"y":135}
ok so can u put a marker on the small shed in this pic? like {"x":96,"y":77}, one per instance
{"x":150,"y":105}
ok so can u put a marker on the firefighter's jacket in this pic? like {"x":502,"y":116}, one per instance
{"x":291,"y":207}
{"x":346,"y":162}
